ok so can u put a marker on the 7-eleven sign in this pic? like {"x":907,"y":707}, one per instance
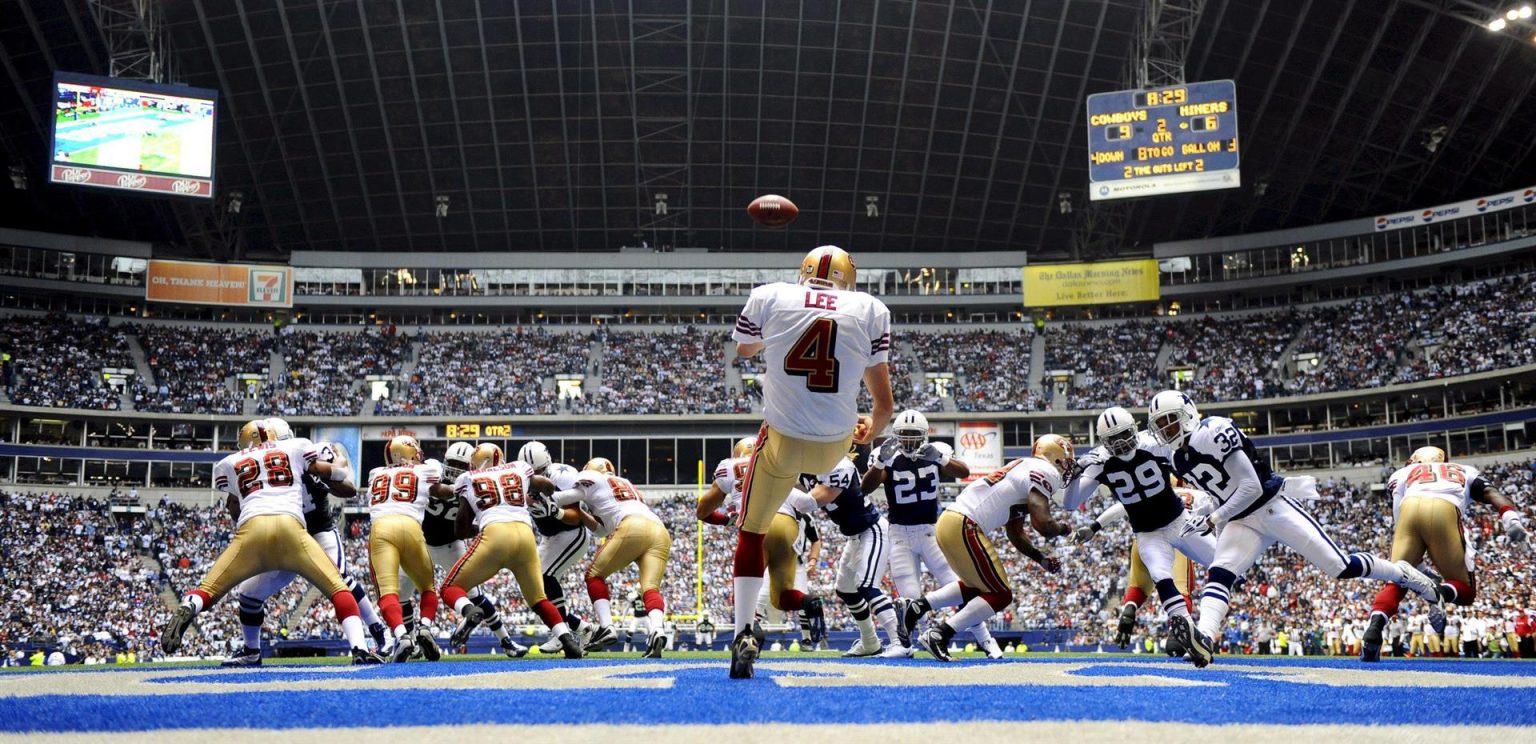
{"x":269,"y":287}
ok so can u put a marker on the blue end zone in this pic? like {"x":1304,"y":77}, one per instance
{"x":701,"y":694}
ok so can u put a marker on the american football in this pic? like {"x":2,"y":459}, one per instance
{"x":1139,"y":370}
{"x":772,"y":210}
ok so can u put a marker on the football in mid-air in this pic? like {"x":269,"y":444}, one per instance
{"x":772,"y":210}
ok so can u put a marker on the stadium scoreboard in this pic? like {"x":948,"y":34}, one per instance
{"x":1163,"y":141}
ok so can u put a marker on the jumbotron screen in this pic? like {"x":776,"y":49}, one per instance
{"x":134,"y":136}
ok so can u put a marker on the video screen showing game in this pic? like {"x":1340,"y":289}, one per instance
{"x":126,"y":134}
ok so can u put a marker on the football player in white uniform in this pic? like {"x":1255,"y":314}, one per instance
{"x":1012,"y":497}
{"x":1256,"y":508}
{"x":493,"y":501}
{"x":567,"y":535}
{"x":253,"y":593}
{"x":1429,"y":498}
{"x":265,"y":498}
{"x":635,"y":535}
{"x":397,"y":501}
{"x":911,"y":467}
{"x":819,"y":338}
{"x":1130,"y":465}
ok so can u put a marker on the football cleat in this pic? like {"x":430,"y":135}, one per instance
{"x":1370,"y":641}
{"x":601,"y":639}
{"x":896,"y":651}
{"x":807,"y":645}
{"x":551,"y":646}
{"x":515,"y":650}
{"x":907,"y":618}
{"x":248,"y":657}
{"x":1199,"y":647}
{"x":936,"y":641}
{"x":1126,"y":624}
{"x":364,"y":657}
{"x":380,"y":635}
{"x":654,"y":648}
{"x":744,"y":650}
{"x":861,"y":648}
{"x":170,"y":637}
{"x":468,"y":620}
{"x":994,"y":651}
{"x":1172,"y":647}
{"x":570,"y":645}
{"x":1415,"y":581}
{"x":1437,"y":618}
{"x":403,"y":649}
{"x":428,"y":645}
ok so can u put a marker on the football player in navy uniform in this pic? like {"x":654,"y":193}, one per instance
{"x":865,"y":557}
{"x":911,"y":467}
{"x":566,"y":533}
{"x":1128,"y":464}
{"x":1254,"y":507}
{"x":252,"y":594}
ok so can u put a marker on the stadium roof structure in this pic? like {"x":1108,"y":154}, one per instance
{"x":560,"y":126}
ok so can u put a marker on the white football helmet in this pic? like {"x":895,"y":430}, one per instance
{"x":536,"y":455}
{"x":1172,"y":417}
{"x":456,"y":459}
{"x":279,"y":428}
{"x":911,"y":430}
{"x":1116,"y":429}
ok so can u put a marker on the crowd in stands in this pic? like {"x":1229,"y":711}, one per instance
{"x":193,"y":367}
{"x":323,"y":370}
{"x":74,"y":576}
{"x":1359,"y":344}
{"x":991,"y":367}
{"x":57,"y":362}
{"x":1232,"y":357}
{"x":465,"y":373}
{"x":1113,"y":364}
{"x":1485,"y":326}
{"x":667,"y":372}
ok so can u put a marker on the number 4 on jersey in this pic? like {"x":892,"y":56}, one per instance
{"x":814,"y":356}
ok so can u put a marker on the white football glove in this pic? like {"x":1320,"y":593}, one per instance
{"x":935,"y":452}
{"x":1514,"y":526}
{"x":541,"y":506}
{"x":1086,"y":532}
{"x":886,"y":454}
{"x":1204,"y":524}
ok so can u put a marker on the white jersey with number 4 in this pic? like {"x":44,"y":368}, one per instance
{"x":403,"y":489}
{"x":267,"y":478}
{"x":729,"y":475}
{"x":497,"y":494}
{"x":993,"y":501}
{"x":816,"y":345}
{"x":1449,"y":481}
{"x":609,"y":498}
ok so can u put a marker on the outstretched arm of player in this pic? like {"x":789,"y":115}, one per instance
{"x":464,"y":524}
{"x":873,"y":477}
{"x":825,"y":494}
{"x":709,"y":505}
{"x":1249,"y":487}
{"x":955,"y":468}
{"x":232,"y":504}
{"x":813,"y":554}
{"x":1509,"y":513}
{"x":1113,"y":514}
{"x":878,"y":379}
{"x":1082,"y":488}
{"x":570,"y":496}
{"x":1016,"y":535}
{"x":746,"y":351}
{"x":1039,"y":506}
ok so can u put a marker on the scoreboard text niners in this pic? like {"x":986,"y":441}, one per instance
{"x":1167,"y":138}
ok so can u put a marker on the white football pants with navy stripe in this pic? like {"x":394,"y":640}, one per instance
{"x":1157,"y":547}
{"x":913,"y":548}
{"x":562,"y":551}
{"x":864,"y":560}
{"x":1284,"y":521}
{"x":261,"y":586}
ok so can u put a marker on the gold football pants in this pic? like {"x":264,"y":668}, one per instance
{"x":970,"y":554}
{"x":397,"y":543}
{"x":1428,"y":524}
{"x":638,"y":540}
{"x":777,"y":462}
{"x":779,"y":546}
{"x":1183,"y":573}
{"x":271,"y":542}
{"x":509,"y":545}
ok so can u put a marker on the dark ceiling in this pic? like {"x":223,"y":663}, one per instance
{"x":343,"y":120}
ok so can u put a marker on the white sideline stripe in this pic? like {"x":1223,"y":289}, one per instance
{"x":1079,"y":732}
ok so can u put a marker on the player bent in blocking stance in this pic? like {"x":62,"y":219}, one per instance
{"x":910,"y":467}
{"x":567,"y":534}
{"x":494,"y":498}
{"x":864,"y":560}
{"x":1429,"y":498}
{"x":788,"y":588}
{"x":1010,"y":497}
{"x":635,"y":535}
{"x":818,"y":338}
{"x":398,"y":496}
{"x":253,"y":593}
{"x":264,"y":499}
{"x":1128,"y":463}
{"x":1256,"y":508}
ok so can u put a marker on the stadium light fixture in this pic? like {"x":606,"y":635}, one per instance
{"x":1526,"y":12}
{"x":442,"y":206}
{"x":1512,"y":14}
{"x":18,"y":178}
{"x":236,"y":201}
{"x":1497,"y":24}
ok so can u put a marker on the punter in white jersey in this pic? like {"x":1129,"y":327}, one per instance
{"x":1017,"y":495}
{"x":1257,"y":508}
{"x":635,"y":535}
{"x":819,"y":338}
{"x":1430,"y":496}
{"x":262,"y":483}
{"x":566,"y":535}
{"x":397,"y":501}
